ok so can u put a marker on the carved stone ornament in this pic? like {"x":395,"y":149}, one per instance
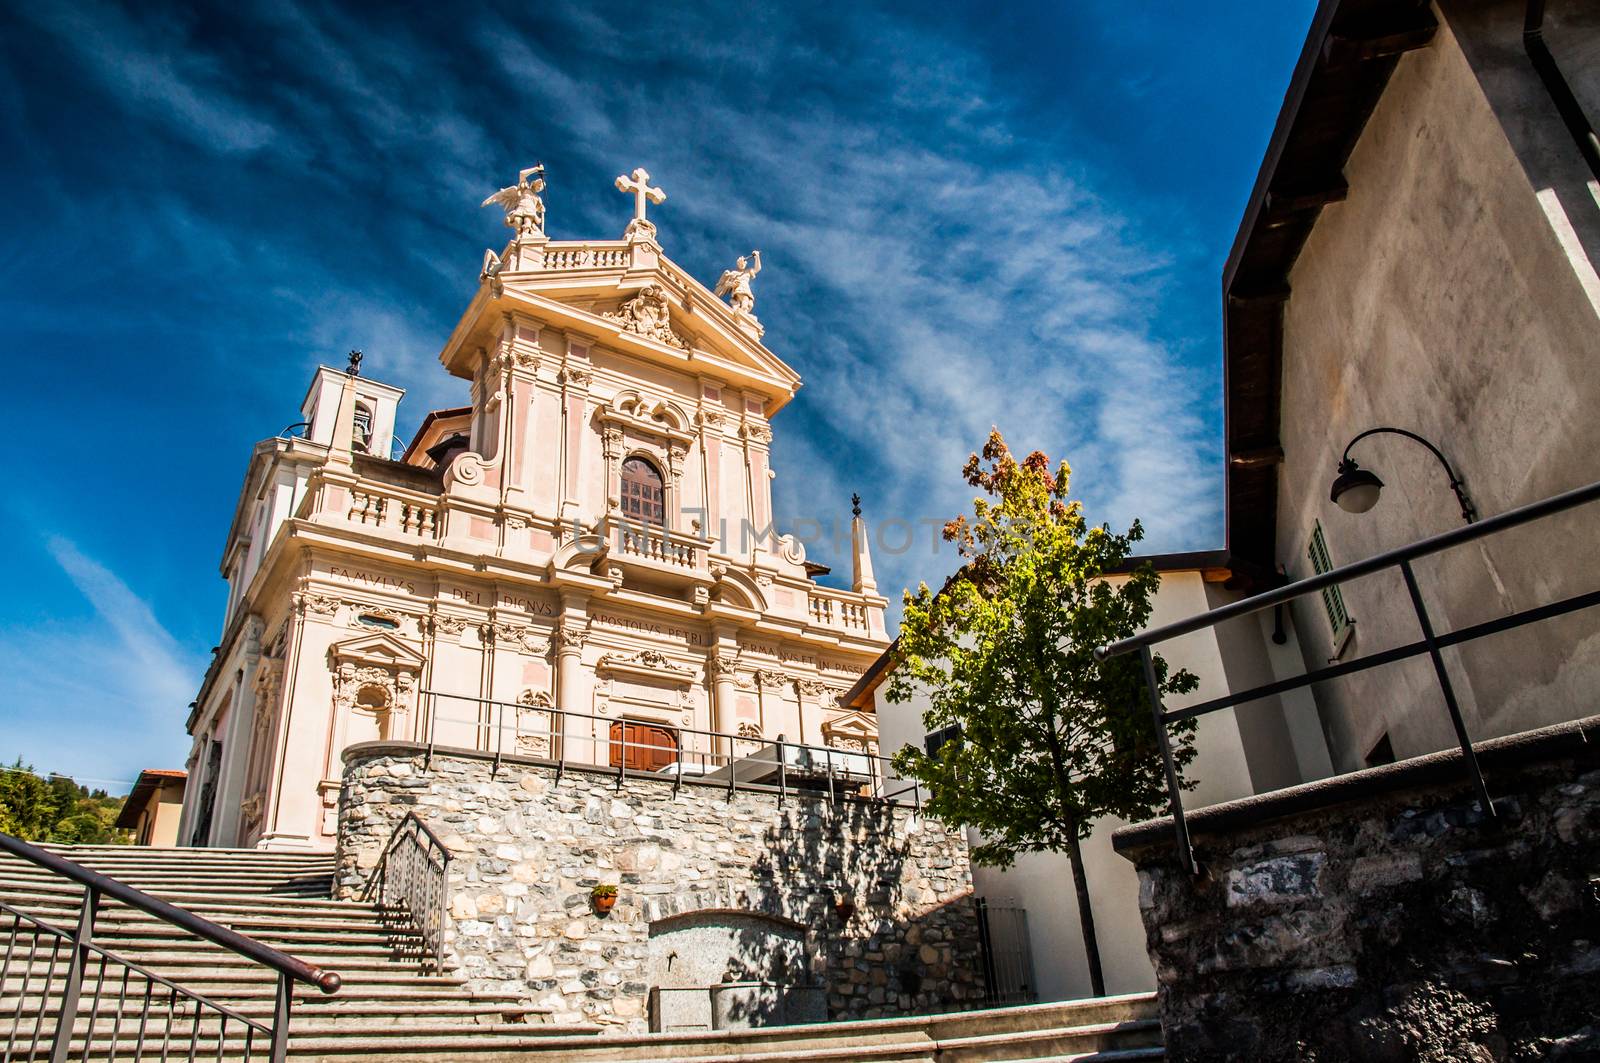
{"x":709,"y":417}
{"x":646,"y":315}
{"x":756,"y":432}
{"x":649,"y":664}
{"x":445,"y":624}
{"x":724,"y":664}
{"x":374,"y":674}
{"x":505,"y":634}
{"x":360,"y":610}
{"x":813,"y":688}
{"x":535,"y":643}
{"x":750,"y":731}
{"x":573,"y":375}
{"x":535,"y":723}
{"x":516,"y":523}
{"x":569,"y":637}
{"x":321,"y":604}
{"x":773,"y":680}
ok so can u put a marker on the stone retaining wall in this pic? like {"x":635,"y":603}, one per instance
{"x":527,"y":849}
{"x":1380,"y":916}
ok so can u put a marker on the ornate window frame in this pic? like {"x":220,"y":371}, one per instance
{"x":634,"y":426}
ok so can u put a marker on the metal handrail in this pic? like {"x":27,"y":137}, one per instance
{"x":232,"y":940}
{"x":420,"y":892}
{"x":815,"y":755}
{"x":1431,"y":643}
{"x":84,"y":951}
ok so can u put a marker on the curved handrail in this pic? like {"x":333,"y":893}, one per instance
{"x":327,"y":981}
{"x":432,"y":837}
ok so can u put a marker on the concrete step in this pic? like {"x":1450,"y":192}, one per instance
{"x":1053,"y":1043}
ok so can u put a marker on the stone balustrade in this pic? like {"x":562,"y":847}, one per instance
{"x":410,"y":517}
{"x":586,"y":256}
{"x":659,"y":547}
{"x":838,"y":611}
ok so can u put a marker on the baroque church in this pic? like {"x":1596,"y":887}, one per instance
{"x":580,"y":566}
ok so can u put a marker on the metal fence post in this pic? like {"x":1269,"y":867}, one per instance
{"x":69,"y":996}
{"x":1175,"y":799}
{"x":280,"y":1019}
{"x":1448,"y":690}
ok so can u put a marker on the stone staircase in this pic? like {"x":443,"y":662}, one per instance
{"x":389,"y":1009}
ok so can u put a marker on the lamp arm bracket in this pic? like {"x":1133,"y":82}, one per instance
{"x":1468,"y":510}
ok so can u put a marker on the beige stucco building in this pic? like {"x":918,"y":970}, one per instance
{"x":153,"y":808}
{"x":1419,"y":253}
{"x":1265,"y":745}
{"x":579,"y":566}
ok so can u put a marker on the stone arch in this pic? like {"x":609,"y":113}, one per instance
{"x":736,"y":588}
{"x":718,"y":967}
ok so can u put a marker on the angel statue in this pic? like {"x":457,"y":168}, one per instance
{"x":524,"y":209}
{"x":735,"y":283}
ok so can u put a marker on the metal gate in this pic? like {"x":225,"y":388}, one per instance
{"x":1007,"y":959}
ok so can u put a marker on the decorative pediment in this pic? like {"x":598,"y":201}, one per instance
{"x":378,"y":650}
{"x":646,"y":314}
{"x":646,"y":664}
{"x":852,"y":731}
{"x":633,"y":410}
{"x":374,"y":674}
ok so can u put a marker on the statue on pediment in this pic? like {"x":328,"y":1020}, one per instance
{"x":735,"y":283}
{"x":524,"y":209}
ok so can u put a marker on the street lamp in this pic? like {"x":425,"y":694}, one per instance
{"x":1355,"y":490}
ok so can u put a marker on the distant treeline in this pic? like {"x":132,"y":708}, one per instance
{"x":56,"y":809}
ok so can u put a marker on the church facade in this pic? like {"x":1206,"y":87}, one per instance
{"x":580,"y":566}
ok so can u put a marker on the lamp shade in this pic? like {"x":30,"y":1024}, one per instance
{"x":1355,"y":490}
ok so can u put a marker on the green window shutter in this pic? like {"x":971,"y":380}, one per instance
{"x":1332,"y":598}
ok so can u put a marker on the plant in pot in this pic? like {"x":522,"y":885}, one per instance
{"x":604,"y":896}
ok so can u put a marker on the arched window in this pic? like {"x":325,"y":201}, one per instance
{"x":642,"y":496}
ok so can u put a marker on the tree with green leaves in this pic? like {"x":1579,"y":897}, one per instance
{"x":56,"y":809}
{"x":1049,"y":739}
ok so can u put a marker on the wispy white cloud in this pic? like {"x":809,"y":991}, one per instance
{"x":149,"y":65}
{"x":119,"y":672}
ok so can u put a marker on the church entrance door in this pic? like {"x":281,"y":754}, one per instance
{"x":642,"y":746}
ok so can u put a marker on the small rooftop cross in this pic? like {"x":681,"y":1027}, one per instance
{"x":855,"y":504}
{"x":354,"y":368}
{"x":639,"y":185}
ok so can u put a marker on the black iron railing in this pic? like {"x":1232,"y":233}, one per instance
{"x":409,"y":886}
{"x":1431,"y":643}
{"x":565,"y":739}
{"x":69,"y":997}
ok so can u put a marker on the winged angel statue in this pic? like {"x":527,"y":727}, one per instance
{"x":524,"y":209}
{"x":735,"y":283}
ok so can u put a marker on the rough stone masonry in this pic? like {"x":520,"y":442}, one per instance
{"x":1381,"y":916}
{"x":527,"y":848}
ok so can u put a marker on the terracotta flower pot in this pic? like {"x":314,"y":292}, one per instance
{"x":604,"y":904}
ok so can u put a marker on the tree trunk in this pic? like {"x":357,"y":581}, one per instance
{"x":1080,"y":879}
{"x":1091,"y":941}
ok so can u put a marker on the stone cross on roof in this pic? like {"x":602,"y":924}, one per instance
{"x":639,"y":185}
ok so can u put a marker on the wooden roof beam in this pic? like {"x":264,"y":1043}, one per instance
{"x":1380,"y":42}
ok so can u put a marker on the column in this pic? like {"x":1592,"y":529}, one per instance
{"x":575,"y":685}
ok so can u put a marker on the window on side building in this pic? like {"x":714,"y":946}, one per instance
{"x":1339,"y":621}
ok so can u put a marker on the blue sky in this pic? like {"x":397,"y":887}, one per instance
{"x":969,"y":215}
